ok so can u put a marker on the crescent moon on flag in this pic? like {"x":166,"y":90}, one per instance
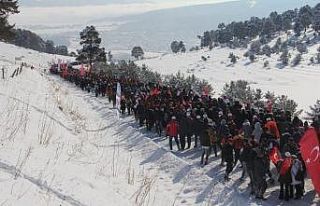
{"x":315,"y":149}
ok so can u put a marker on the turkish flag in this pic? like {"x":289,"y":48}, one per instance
{"x":274,"y":155}
{"x":310,"y":151}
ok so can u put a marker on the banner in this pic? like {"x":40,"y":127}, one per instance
{"x":310,"y":151}
{"x":118,"y":99}
{"x":274,"y":155}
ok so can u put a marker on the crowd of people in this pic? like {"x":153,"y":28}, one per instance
{"x":253,"y":138}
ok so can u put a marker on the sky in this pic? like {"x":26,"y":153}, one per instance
{"x":55,"y":12}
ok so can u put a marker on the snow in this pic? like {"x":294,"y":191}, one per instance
{"x":296,"y":82}
{"x":62,"y":146}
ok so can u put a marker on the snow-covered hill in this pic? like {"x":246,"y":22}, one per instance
{"x":62,"y":146}
{"x":297,"y":82}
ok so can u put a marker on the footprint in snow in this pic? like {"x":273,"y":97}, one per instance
{"x":186,"y":191}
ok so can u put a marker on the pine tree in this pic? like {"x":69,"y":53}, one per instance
{"x":7,"y":7}
{"x":175,"y":47}
{"x":285,"y":57}
{"x":268,"y":28}
{"x":305,"y":15}
{"x":315,"y":111}
{"x":233,"y":58}
{"x":298,"y":27}
{"x":137,"y":52}
{"x":316,"y":18}
{"x":266,"y":50}
{"x":91,"y":51}
{"x":296,"y":61}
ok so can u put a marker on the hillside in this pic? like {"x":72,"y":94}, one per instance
{"x":296,"y":82}
{"x":63,"y":146}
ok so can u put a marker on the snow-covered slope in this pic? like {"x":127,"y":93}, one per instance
{"x":297,"y":82}
{"x":62,"y":146}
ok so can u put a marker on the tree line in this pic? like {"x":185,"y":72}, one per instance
{"x":21,"y":37}
{"x":239,"y":34}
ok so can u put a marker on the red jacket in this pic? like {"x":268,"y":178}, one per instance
{"x":172,"y":128}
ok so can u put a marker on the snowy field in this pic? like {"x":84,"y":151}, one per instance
{"x":298,"y":83}
{"x":62,"y":146}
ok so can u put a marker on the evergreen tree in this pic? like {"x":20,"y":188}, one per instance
{"x":277,"y":20}
{"x":206,"y":39}
{"x":285,"y":57}
{"x":255,"y":47}
{"x":316,"y":18}
{"x":268,"y":28}
{"x":302,"y":48}
{"x":233,"y":58}
{"x":296,"y":61}
{"x":315,"y":111}
{"x":252,"y":57}
{"x":178,"y":47}
{"x":298,"y":27}
{"x":182,"y":47}
{"x":266,"y":50}
{"x":175,"y":47}
{"x":305,"y":16}
{"x":7,"y":7}
{"x":50,"y":49}
{"x":61,"y":50}
{"x":91,"y":51}
{"x":137,"y":52}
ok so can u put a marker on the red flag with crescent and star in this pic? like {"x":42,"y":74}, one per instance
{"x":274,"y":155}
{"x":310,"y":151}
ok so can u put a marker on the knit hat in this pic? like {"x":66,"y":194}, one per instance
{"x":287,"y":154}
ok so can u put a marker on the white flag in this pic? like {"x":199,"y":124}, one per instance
{"x":118,"y":99}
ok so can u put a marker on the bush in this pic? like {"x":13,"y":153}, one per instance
{"x":233,"y":58}
{"x":252,"y":57}
{"x":241,"y":91}
{"x":296,"y":61}
{"x":196,"y":48}
{"x":266,"y":50}
{"x":189,"y":82}
{"x":255,"y":47}
{"x":302,"y":48}
{"x":284,"y":58}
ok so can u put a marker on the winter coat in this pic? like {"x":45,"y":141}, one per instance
{"x":212,"y":135}
{"x":291,"y":147}
{"x":228,"y":152}
{"x":186,"y":126}
{"x":257,"y":131}
{"x":198,"y":127}
{"x":223,"y":131}
{"x":205,"y":139}
{"x":238,"y":142}
{"x":246,"y":128}
{"x":296,"y":172}
{"x":248,"y":155}
{"x":260,"y":167}
{"x":284,"y":168}
{"x":172,"y":128}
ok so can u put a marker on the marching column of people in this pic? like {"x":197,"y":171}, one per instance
{"x":253,"y":138}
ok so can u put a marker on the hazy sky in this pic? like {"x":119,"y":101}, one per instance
{"x":80,"y":11}
{"x":57,"y":12}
